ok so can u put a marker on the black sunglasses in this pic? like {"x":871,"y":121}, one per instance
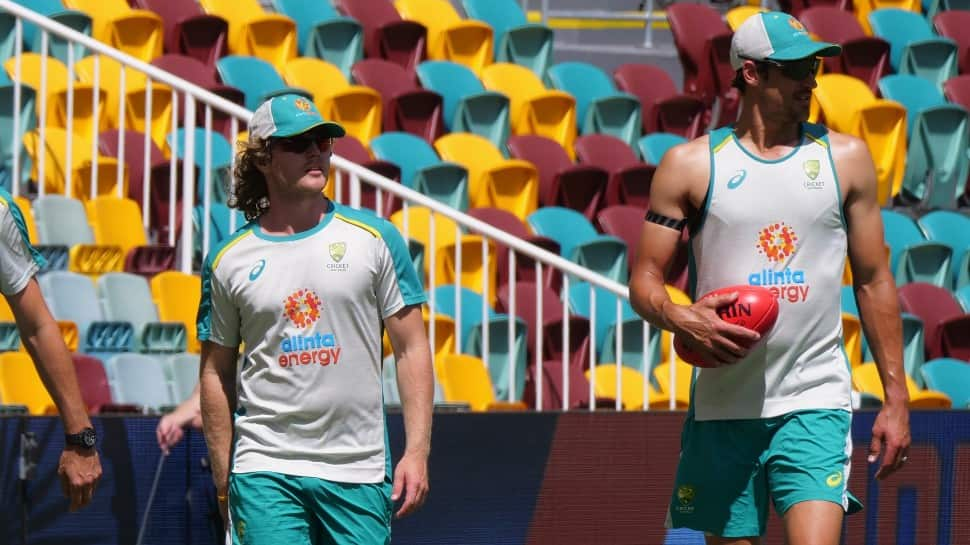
{"x":301,"y":142}
{"x":794,"y":70}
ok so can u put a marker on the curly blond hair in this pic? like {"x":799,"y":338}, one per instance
{"x":249,"y":192}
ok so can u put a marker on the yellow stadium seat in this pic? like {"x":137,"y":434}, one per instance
{"x":177,"y":295}
{"x":863,"y":8}
{"x":137,"y":32}
{"x":83,"y":120}
{"x":6,"y":313}
{"x":256,"y":32}
{"x":81,"y":168}
{"x":450,"y":37}
{"x":465,"y":379}
{"x":631,"y":387}
{"x":135,"y":91}
{"x":865,"y":378}
{"x":737,"y":15}
{"x":356,"y":107}
{"x":493,"y":181}
{"x":534,"y":109}
{"x":684,"y":378}
{"x":21,"y":385}
{"x":419,"y":222}
{"x":116,"y":221}
{"x":443,"y":339}
{"x":666,"y":337}
{"x":849,"y":106}
{"x":28,"y":213}
{"x":473,"y":274}
{"x":852,"y":334}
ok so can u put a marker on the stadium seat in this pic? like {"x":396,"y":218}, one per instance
{"x":467,"y":106}
{"x":127,"y":297}
{"x":476,"y":268}
{"x":140,"y":379}
{"x":952,"y":25}
{"x":864,"y":9}
{"x":190,"y":31}
{"x":71,"y":297}
{"x":945,"y":323}
{"x":450,"y":38}
{"x":630,"y":178}
{"x":137,"y":32}
{"x":679,"y":297}
{"x":255,"y":77}
{"x":386,"y":34}
{"x":604,"y":313}
{"x":422,"y":170}
{"x":217,"y":167}
{"x":865,"y":379}
{"x":554,"y":390}
{"x":95,"y":389}
{"x":356,"y":107}
{"x":516,"y":40}
{"x":852,"y":338}
{"x":184,"y":375}
{"x":554,"y":321}
{"x":913,"y":46}
{"x":535,"y":109}
{"x":703,"y":42}
{"x":26,"y":210}
{"x":864,"y":57}
{"x":913,"y":258}
{"x":353,"y":150}
{"x":937,"y":164}
{"x":10,"y":133}
{"x":579,"y":242}
{"x":953,"y":230}
{"x":682,"y":378}
{"x":254,"y":31}
{"x":849,"y":106}
{"x":325,"y":34}
{"x":950,"y":376}
{"x":21,"y":385}
{"x":63,"y":221}
{"x":465,"y":379}
{"x":561,"y":182}
{"x":82,"y":120}
{"x":407,"y":107}
{"x":80,"y":172}
{"x":963,"y":297}
{"x":509,"y":184}
{"x":118,"y":221}
{"x":157,"y":123}
{"x":932,"y":7}
{"x":223,"y":221}
{"x":663,"y":107}
{"x":525,"y":270}
{"x":957,"y":90}
{"x":421,"y":224}
{"x":203,"y":75}
{"x":55,"y":10}
{"x":177,"y":295}
{"x":653,"y":146}
{"x":600,"y":108}
{"x":441,"y":334}
{"x":634,"y":387}
{"x":625,"y":223}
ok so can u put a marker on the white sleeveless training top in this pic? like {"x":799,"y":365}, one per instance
{"x":776,"y":224}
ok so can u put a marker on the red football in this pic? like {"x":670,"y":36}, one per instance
{"x":756,"y":308}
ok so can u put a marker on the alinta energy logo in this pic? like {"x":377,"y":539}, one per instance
{"x":302,"y":308}
{"x":778,"y":243}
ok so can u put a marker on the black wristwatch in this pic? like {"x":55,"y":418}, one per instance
{"x":86,"y":438}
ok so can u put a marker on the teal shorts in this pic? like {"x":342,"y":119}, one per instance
{"x":730,"y":469}
{"x":268,"y":508}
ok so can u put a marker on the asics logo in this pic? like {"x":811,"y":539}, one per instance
{"x":737,"y":179}
{"x":257,"y":269}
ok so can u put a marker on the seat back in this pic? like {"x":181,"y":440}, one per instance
{"x":475,"y":152}
{"x":832,"y":24}
{"x":623,"y":222}
{"x":518,"y":82}
{"x":251,"y":75}
{"x":566,"y":226}
{"x":950,"y":376}
{"x":9,"y":132}
{"x":388,"y":78}
{"x":654,"y":146}
{"x":549,"y":158}
{"x":453,"y":81}
{"x":127,"y":297}
{"x":900,"y":28}
{"x":465,"y":379}
{"x":604,"y":309}
{"x":419,"y":222}
{"x":448,"y":298}
{"x":900,"y":232}
{"x":913,"y":92}
{"x":21,"y":385}
{"x":501,"y":15}
{"x":177,"y":296}
{"x":409,"y":152}
{"x":838,"y":97}
{"x":140,"y":379}
{"x":184,"y":370}
{"x":694,"y":26}
{"x":631,"y":384}
{"x":952,"y":24}
{"x":71,"y":297}
{"x":584,"y":81}
{"x":93,"y":382}
{"x":605,"y":151}
{"x":307,"y":15}
{"x":950,"y":228}
{"x":116,"y":221}
{"x":61,"y":220}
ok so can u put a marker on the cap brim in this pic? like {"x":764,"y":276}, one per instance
{"x":328,"y":128}
{"x":805,"y":50}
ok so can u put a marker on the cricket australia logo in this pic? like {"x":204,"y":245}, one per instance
{"x":685,"y":499}
{"x":812,"y":167}
{"x":337,"y":252}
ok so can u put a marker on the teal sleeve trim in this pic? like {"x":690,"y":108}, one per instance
{"x":203,"y":318}
{"x":18,"y":219}
{"x":408,"y":280}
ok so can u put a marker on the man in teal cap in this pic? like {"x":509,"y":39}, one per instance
{"x":296,"y":432}
{"x":776,"y":202}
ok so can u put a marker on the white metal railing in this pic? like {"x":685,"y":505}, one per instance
{"x":192,"y":96}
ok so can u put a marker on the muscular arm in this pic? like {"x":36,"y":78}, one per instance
{"x":217,"y":391}
{"x":415,"y":381}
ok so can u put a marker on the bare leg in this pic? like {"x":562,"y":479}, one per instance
{"x":814,"y":523}
{"x":711,"y":540}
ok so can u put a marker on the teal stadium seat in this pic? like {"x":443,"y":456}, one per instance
{"x":937,"y":163}
{"x":600,"y":107}
{"x":953,"y":230}
{"x":913,"y":46}
{"x":10,"y":134}
{"x":56,"y":46}
{"x":325,"y":34}
{"x":139,"y":379}
{"x":950,"y":376}
{"x":605,"y":316}
{"x":468,"y":107}
{"x":652,"y":147}
{"x":183,"y":372}
{"x":579,"y":242}
{"x":963,"y":297}
{"x":256,"y":78}
{"x":913,"y":258}
{"x":516,"y":39}
{"x":223,"y":221}
{"x":421,"y":168}
{"x":219,"y":166}
{"x":932,"y":7}
{"x":126,"y":297}
{"x":72,"y":297}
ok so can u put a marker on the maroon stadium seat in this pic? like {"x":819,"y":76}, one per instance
{"x":204,"y":76}
{"x":703,"y":42}
{"x":945,"y":324}
{"x":629,"y":177}
{"x":95,"y":391}
{"x":864,"y":57}
{"x":553,"y":322}
{"x":957,"y":91}
{"x":386,"y":34}
{"x":524,"y":265}
{"x":665,"y":109}
{"x":561,"y":182}
{"x":351,"y":149}
{"x":953,"y":24}
{"x":407,"y":107}
{"x":797,"y":7}
{"x":625,"y":222}
{"x":189,"y":30}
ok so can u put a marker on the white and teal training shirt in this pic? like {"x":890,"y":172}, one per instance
{"x":19,"y":261}
{"x":309,"y":309}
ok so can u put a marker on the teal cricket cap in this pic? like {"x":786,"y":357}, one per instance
{"x":776,"y":36}
{"x":288,"y":115}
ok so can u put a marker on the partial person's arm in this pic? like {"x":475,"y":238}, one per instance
{"x":79,"y":468}
{"x":217,"y":389}
{"x":875,"y":292}
{"x":415,"y":381}
{"x":169,"y":431}
{"x":676,"y":189}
